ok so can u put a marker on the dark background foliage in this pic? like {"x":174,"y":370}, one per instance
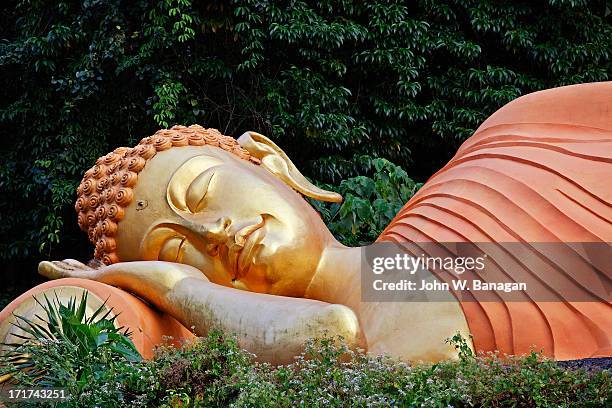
{"x":328,"y":80}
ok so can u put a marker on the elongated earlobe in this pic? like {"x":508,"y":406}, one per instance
{"x":276,"y":162}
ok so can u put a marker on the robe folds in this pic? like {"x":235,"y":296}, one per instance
{"x":539,"y":170}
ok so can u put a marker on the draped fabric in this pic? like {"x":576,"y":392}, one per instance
{"x":539,"y":170}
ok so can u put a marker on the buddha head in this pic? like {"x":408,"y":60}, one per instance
{"x":231,"y":208}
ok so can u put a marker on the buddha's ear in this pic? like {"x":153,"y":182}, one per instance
{"x":276,"y":162}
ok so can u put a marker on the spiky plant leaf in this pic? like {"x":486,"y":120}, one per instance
{"x":68,"y":324}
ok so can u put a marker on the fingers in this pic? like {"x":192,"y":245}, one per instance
{"x":50,"y":270}
{"x":68,"y":268}
{"x":77,"y":264}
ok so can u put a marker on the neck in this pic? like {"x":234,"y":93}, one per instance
{"x":338,"y":281}
{"x":338,"y":278}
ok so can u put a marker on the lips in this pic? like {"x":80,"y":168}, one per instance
{"x":251,"y":247}
{"x":246,"y":244}
{"x":242,"y":235}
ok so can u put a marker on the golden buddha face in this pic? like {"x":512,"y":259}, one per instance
{"x":235,"y":221}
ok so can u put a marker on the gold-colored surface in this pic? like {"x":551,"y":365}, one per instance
{"x":217,"y":241}
{"x":230,"y":219}
{"x":278,"y":163}
{"x":106,"y":188}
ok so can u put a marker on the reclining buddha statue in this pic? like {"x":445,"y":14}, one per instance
{"x":194,"y":230}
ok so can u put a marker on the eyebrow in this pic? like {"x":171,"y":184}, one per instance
{"x":201,"y":185}
{"x":185,"y":175}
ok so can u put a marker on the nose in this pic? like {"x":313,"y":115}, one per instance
{"x":215,"y":232}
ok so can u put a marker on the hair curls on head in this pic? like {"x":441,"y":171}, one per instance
{"x":106,"y":188}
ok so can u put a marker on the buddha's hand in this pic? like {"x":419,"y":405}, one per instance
{"x":186,"y":294}
{"x":149,"y":279}
{"x":68,"y":268}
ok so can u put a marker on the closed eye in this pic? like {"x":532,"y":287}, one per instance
{"x":172,"y":249}
{"x":194,"y":169}
{"x":195,"y":196}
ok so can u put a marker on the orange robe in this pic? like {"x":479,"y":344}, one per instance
{"x":538,"y":170}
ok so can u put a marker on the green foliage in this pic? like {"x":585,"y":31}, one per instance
{"x":326,"y":374}
{"x":369,"y":204}
{"x":168,"y":94}
{"x":464,"y":351}
{"x":329,"y":374}
{"x":207,"y":372}
{"x":107,"y":382}
{"x":404,"y":81}
{"x":214,"y":372}
{"x":69,"y":348}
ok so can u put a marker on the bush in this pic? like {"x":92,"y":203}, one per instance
{"x":404,"y":81}
{"x":370,"y":203}
{"x":330,"y":375}
{"x":207,"y":372}
{"x":214,"y":372}
{"x":87,"y":355}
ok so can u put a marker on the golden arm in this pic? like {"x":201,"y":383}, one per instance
{"x":274,"y":328}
